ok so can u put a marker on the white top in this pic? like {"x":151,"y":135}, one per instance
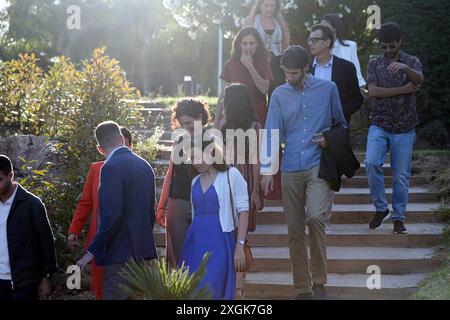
{"x":324,"y":72}
{"x":350,"y":53}
{"x":5,"y":208}
{"x":240,"y":197}
{"x":274,"y":42}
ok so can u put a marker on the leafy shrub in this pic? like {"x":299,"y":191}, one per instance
{"x":149,"y":147}
{"x":20,"y":93}
{"x":436,"y":133}
{"x":65,"y":104}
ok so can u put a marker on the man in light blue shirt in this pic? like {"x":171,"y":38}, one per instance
{"x":301,"y":110}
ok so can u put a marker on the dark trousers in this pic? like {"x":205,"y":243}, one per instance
{"x":113,"y":280}
{"x":18,"y":294}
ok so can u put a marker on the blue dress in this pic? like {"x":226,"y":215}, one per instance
{"x":205,"y":235}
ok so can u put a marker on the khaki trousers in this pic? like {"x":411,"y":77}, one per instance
{"x":304,"y":189}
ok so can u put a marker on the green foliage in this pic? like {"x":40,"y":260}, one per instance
{"x":445,"y":211}
{"x":434,"y":165}
{"x":437,"y":285}
{"x":20,"y":93}
{"x":66,"y":104}
{"x":167,"y":103}
{"x":149,"y":148}
{"x":53,"y":192}
{"x":435,"y":132}
{"x":159,"y":283}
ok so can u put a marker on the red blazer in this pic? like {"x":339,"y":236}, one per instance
{"x":87,"y":204}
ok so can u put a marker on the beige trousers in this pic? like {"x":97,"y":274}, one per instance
{"x":304,"y":189}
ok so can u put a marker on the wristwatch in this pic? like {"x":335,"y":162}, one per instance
{"x":242,"y":242}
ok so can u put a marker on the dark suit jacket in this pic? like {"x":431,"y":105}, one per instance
{"x":126,"y":196}
{"x":31,"y":244}
{"x":338,"y":158}
{"x":346,"y":80}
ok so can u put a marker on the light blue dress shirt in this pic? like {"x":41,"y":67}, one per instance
{"x":299,"y":115}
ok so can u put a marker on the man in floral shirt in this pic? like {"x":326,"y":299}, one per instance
{"x":393,"y":79}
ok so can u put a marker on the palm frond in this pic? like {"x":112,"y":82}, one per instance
{"x":157,"y":282}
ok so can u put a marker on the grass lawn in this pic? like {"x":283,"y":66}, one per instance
{"x":437,"y":285}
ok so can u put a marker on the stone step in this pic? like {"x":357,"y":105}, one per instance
{"x":279,"y":285}
{"x":354,"y":235}
{"x":167,"y":143}
{"x":362,"y":170}
{"x":353,"y":259}
{"x":362,"y":182}
{"x":362,"y":196}
{"x":166,"y":154}
{"x":359,"y":213}
{"x":359,"y":172}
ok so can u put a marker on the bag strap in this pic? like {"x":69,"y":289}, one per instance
{"x":231,"y":198}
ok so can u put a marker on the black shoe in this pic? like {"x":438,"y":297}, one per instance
{"x":378,"y":219}
{"x":399,"y":227}
{"x":304,"y":296}
{"x":320,"y":293}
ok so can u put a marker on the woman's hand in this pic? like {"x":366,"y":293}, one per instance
{"x":247,"y":60}
{"x":161,"y":217}
{"x":239,"y":258}
{"x":255,"y":200}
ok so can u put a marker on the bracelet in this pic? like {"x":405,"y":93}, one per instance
{"x":241,"y":242}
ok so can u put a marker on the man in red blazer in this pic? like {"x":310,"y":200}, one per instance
{"x":89,"y":204}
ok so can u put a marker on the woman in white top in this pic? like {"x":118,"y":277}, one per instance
{"x":267,"y":18}
{"x":344,"y":49}
{"x":216,"y":215}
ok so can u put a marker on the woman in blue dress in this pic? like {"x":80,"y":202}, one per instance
{"x":213,"y":227}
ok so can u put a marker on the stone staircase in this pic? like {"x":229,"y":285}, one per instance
{"x":404,"y":260}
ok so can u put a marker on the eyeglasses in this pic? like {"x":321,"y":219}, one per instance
{"x":385,"y":47}
{"x":315,"y":40}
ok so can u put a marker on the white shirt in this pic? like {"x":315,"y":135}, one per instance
{"x":5,"y":208}
{"x":240,"y":197}
{"x":350,"y":53}
{"x":324,"y":72}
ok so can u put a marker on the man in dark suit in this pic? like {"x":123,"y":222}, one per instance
{"x":27,"y":247}
{"x":126,"y":196}
{"x":327,"y":66}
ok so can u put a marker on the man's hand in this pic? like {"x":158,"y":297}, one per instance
{"x":87,"y":258}
{"x":72,"y":242}
{"x":161,"y":217}
{"x":45,"y":288}
{"x":323,"y":142}
{"x":267,"y":184}
{"x":411,"y":87}
{"x":320,"y":139}
{"x":396,"y":67}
